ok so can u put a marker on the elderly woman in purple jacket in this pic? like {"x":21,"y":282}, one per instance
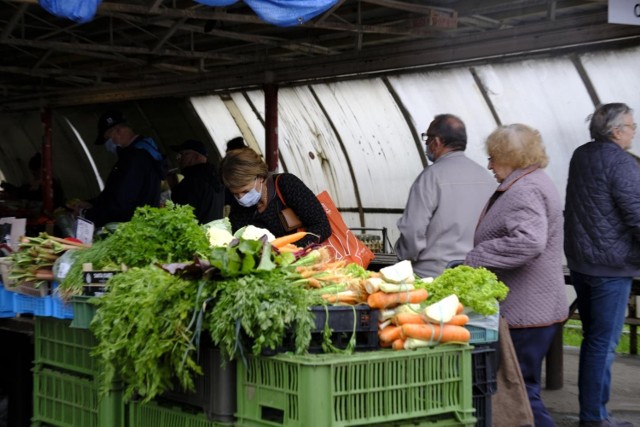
{"x":520,"y":238}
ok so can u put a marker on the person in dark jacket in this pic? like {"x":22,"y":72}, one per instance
{"x":256,"y":202}
{"x":602,"y":246}
{"x":201,"y":187}
{"x":134,"y":180}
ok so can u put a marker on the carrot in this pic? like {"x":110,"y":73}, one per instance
{"x":459,"y":320}
{"x":436,"y":333}
{"x":289,"y":238}
{"x":384,"y":344}
{"x":346,"y":297}
{"x":289,"y":247}
{"x":314,"y":283}
{"x":398,"y":344}
{"x":403,"y":318}
{"x":389,"y":334}
{"x":381,"y":299}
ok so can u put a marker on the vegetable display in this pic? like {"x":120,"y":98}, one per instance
{"x":248,"y":291}
{"x":33,"y":261}
{"x":477,"y":288}
{"x":154,"y":235}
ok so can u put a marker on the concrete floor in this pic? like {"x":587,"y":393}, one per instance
{"x":625,"y":393}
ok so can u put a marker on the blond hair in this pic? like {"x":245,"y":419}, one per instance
{"x":241,"y":167}
{"x":517,"y":146}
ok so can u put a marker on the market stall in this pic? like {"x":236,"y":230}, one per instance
{"x":192,"y":323}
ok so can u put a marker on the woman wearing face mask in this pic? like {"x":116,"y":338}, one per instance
{"x":257,"y":203}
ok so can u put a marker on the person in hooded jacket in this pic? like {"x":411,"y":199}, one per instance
{"x":134,"y":180}
{"x":602,"y":246}
{"x":201,"y":187}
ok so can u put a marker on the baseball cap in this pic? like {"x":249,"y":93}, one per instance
{"x":191,"y":144}
{"x":106,"y":122}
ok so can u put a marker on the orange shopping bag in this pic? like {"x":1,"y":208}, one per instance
{"x":342,"y":242}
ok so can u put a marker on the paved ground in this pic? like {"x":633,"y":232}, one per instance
{"x":625,"y":394}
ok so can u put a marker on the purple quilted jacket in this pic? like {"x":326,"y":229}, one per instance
{"x":519,"y":237}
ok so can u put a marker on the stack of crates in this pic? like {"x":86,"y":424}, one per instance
{"x":65,"y":385}
{"x":423,"y":387}
{"x":215,"y":390}
{"x":485,"y":367}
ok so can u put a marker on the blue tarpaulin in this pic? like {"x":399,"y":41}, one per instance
{"x":282,"y":13}
{"x":76,"y":10}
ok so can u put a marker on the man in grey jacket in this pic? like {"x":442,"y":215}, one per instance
{"x":444,"y":202}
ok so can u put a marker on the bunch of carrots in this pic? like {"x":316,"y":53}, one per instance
{"x":318,"y":271}
{"x":329,"y":278}
{"x":406,"y":327}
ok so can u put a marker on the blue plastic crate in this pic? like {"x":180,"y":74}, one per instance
{"x":6,"y":300}
{"x":6,"y":303}
{"x":481,"y":335}
{"x":25,"y":304}
{"x":59,"y":308}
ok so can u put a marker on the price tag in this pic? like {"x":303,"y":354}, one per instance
{"x":84,"y":230}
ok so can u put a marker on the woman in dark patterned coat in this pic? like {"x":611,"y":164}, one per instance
{"x":257,"y":203}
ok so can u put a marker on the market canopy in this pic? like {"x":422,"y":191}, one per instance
{"x":138,"y":49}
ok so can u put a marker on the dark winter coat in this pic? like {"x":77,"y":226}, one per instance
{"x":201,"y":188}
{"x":602,"y":211}
{"x":298,"y":197}
{"x":134,"y":181}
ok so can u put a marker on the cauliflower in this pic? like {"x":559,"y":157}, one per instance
{"x":254,"y":233}
{"x":219,"y":237}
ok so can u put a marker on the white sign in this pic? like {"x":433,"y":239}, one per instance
{"x":84,"y":230}
{"x":624,"y":12}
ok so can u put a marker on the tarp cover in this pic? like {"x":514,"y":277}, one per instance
{"x":282,"y":13}
{"x":76,"y":10}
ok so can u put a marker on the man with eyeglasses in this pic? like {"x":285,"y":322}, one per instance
{"x":602,"y":246}
{"x":444,"y":202}
{"x":201,"y":186}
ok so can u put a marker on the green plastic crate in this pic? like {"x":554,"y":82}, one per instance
{"x":57,"y":345}
{"x":371,"y":388}
{"x":154,"y":415}
{"x":83,"y":311}
{"x":65,"y":400}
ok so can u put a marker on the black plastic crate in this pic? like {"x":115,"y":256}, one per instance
{"x":484,"y":361}
{"x":215,"y":390}
{"x":341,"y":322}
{"x":482,"y":405}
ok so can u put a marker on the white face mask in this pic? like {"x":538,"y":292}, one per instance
{"x":111,"y":146}
{"x":251,"y":198}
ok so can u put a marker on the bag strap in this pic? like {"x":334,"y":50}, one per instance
{"x":275,"y":181}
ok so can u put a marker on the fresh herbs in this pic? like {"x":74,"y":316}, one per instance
{"x":260,"y":307}
{"x":143,"y":329}
{"x":154,"y":235}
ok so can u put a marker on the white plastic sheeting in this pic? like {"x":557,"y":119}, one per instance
{"x":548,"y":95}
{"x":615,"y":77}
{"x":359,"y":139}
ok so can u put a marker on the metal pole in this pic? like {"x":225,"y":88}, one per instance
{"x":271,"y":125}
{"x":46,"y":172}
